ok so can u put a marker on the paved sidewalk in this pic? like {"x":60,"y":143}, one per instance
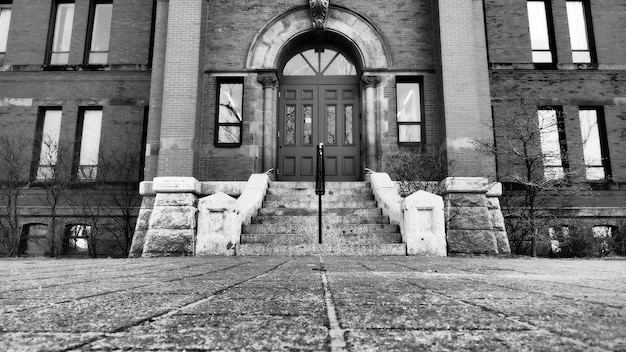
{"x":290,"y":304}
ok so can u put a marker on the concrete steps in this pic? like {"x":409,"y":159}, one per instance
{"x":287,"y":225}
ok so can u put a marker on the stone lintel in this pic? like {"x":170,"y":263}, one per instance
{"x":495,"y":190}
{"x":176,"y":185}
{"x":464,"y":185}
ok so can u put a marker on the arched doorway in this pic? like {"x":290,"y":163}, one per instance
{"x":319,"y":103}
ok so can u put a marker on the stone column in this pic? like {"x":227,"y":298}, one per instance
{"x":182,"y":87}
{"x":370,"y":83}
{"x":156,"y":90}
{"x":465,"y":87}
{"x":269,"y":82}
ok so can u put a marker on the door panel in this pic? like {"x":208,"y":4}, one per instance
{"x":313,"y":114}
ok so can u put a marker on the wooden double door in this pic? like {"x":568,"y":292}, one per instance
{"x":319,"y":113}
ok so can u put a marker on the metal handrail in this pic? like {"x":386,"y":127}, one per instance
{"x":320,"y":185}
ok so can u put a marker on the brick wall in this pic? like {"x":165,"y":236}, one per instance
{"x":30,"y":25}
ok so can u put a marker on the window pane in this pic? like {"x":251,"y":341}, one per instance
{"x":538,"y":24}
{"x":307,"y":129}
{"x":408,"y":100}
{"x":581,"y":57}
{"x":550,"y":144}
{"x":101,"y":27}
{"x":297,"y":66}
{"x":592,"y":149}
{"x":340,"y":66}
{"x":228,"y":134}
{"x":5,"y":21}
{"x":50,"y":137}
{"x":348,"y":139}
{"x":331,"y":127}
{"x":90,"y":144}
{"x":409,"y":133}
{"x":577,"y":25}
{"x":290,"y":125}
{"x":98,"y":58}
{"x":542,"y":56}
{"x":231,"y":98}
{"x":62,"y":33}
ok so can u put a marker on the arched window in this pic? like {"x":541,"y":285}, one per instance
{"x":76,"y":239}
{"x":314,"y":62}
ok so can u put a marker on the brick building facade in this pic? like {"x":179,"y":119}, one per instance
{"x":427,"y":75}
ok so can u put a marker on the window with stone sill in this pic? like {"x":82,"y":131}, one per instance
{"x":581,"y":31}
{"x":553,"y":142}
{"x":87,"y":145}
{"x":229,"y":114}
{"x":5,"y":22}
{"x":61,"y":33}
{"x":595,"y":144}
{"x":409,"y":110}
{"x":541,"y":32}
{"x":99,"y":32}
{"x":47,"y":142}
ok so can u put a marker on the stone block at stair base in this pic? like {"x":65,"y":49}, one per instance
{"x":168,"y":243}
{"x":173,"y":217}
{"x":472,"y":242}
{"x":474,"y":222}
{"x":423,"y":227}
{"x":219,"y":226}
{"x":141,"y":227}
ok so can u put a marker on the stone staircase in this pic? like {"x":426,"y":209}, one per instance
{"x":288,"y":223}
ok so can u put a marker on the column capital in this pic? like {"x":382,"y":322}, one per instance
{"x":370,"y":81}
{"x":268,"y":81}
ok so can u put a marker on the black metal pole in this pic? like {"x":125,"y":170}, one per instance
{"x":320,"y":187}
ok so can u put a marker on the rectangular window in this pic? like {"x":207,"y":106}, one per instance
{"x":409,"y":109}
{"x":62,"y":33}
{"x":580,"y":31}
{"x":5,"y":22}
{"x":541,"y":32}
{"x":89,"y":127}
{"x":49,"y":130}
{"x":229,"y":121}
{"x":99,"y":32}
{"x":595,"y":145}
{"x":553,"y":143}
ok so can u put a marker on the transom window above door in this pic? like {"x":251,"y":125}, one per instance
{"x":314,"y":62}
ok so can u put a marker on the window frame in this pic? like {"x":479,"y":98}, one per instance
{"x":562,"y":140}
{"x":76,"y":165}
{"x":551,"y":36}
{"x":38,"y":141}
{"x":6,"y":4}
{"x":604,"y":142}
{"x":219,"y":82}
{"x":52,"y":28}
{"x":90,"y":28}
{"x":422,"y":140}
{"x":590,"y":33}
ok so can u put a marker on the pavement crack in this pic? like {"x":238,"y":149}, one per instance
{"x":336,"y":333}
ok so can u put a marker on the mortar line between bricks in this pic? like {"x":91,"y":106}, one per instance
{"x":120,"y":290}
{"x":336,"y":333}
{"x":493,"y":311}
{"x":171,"y":312}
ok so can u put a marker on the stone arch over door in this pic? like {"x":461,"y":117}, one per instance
{"x":265,"y":51}
{"x":271,"y":44}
